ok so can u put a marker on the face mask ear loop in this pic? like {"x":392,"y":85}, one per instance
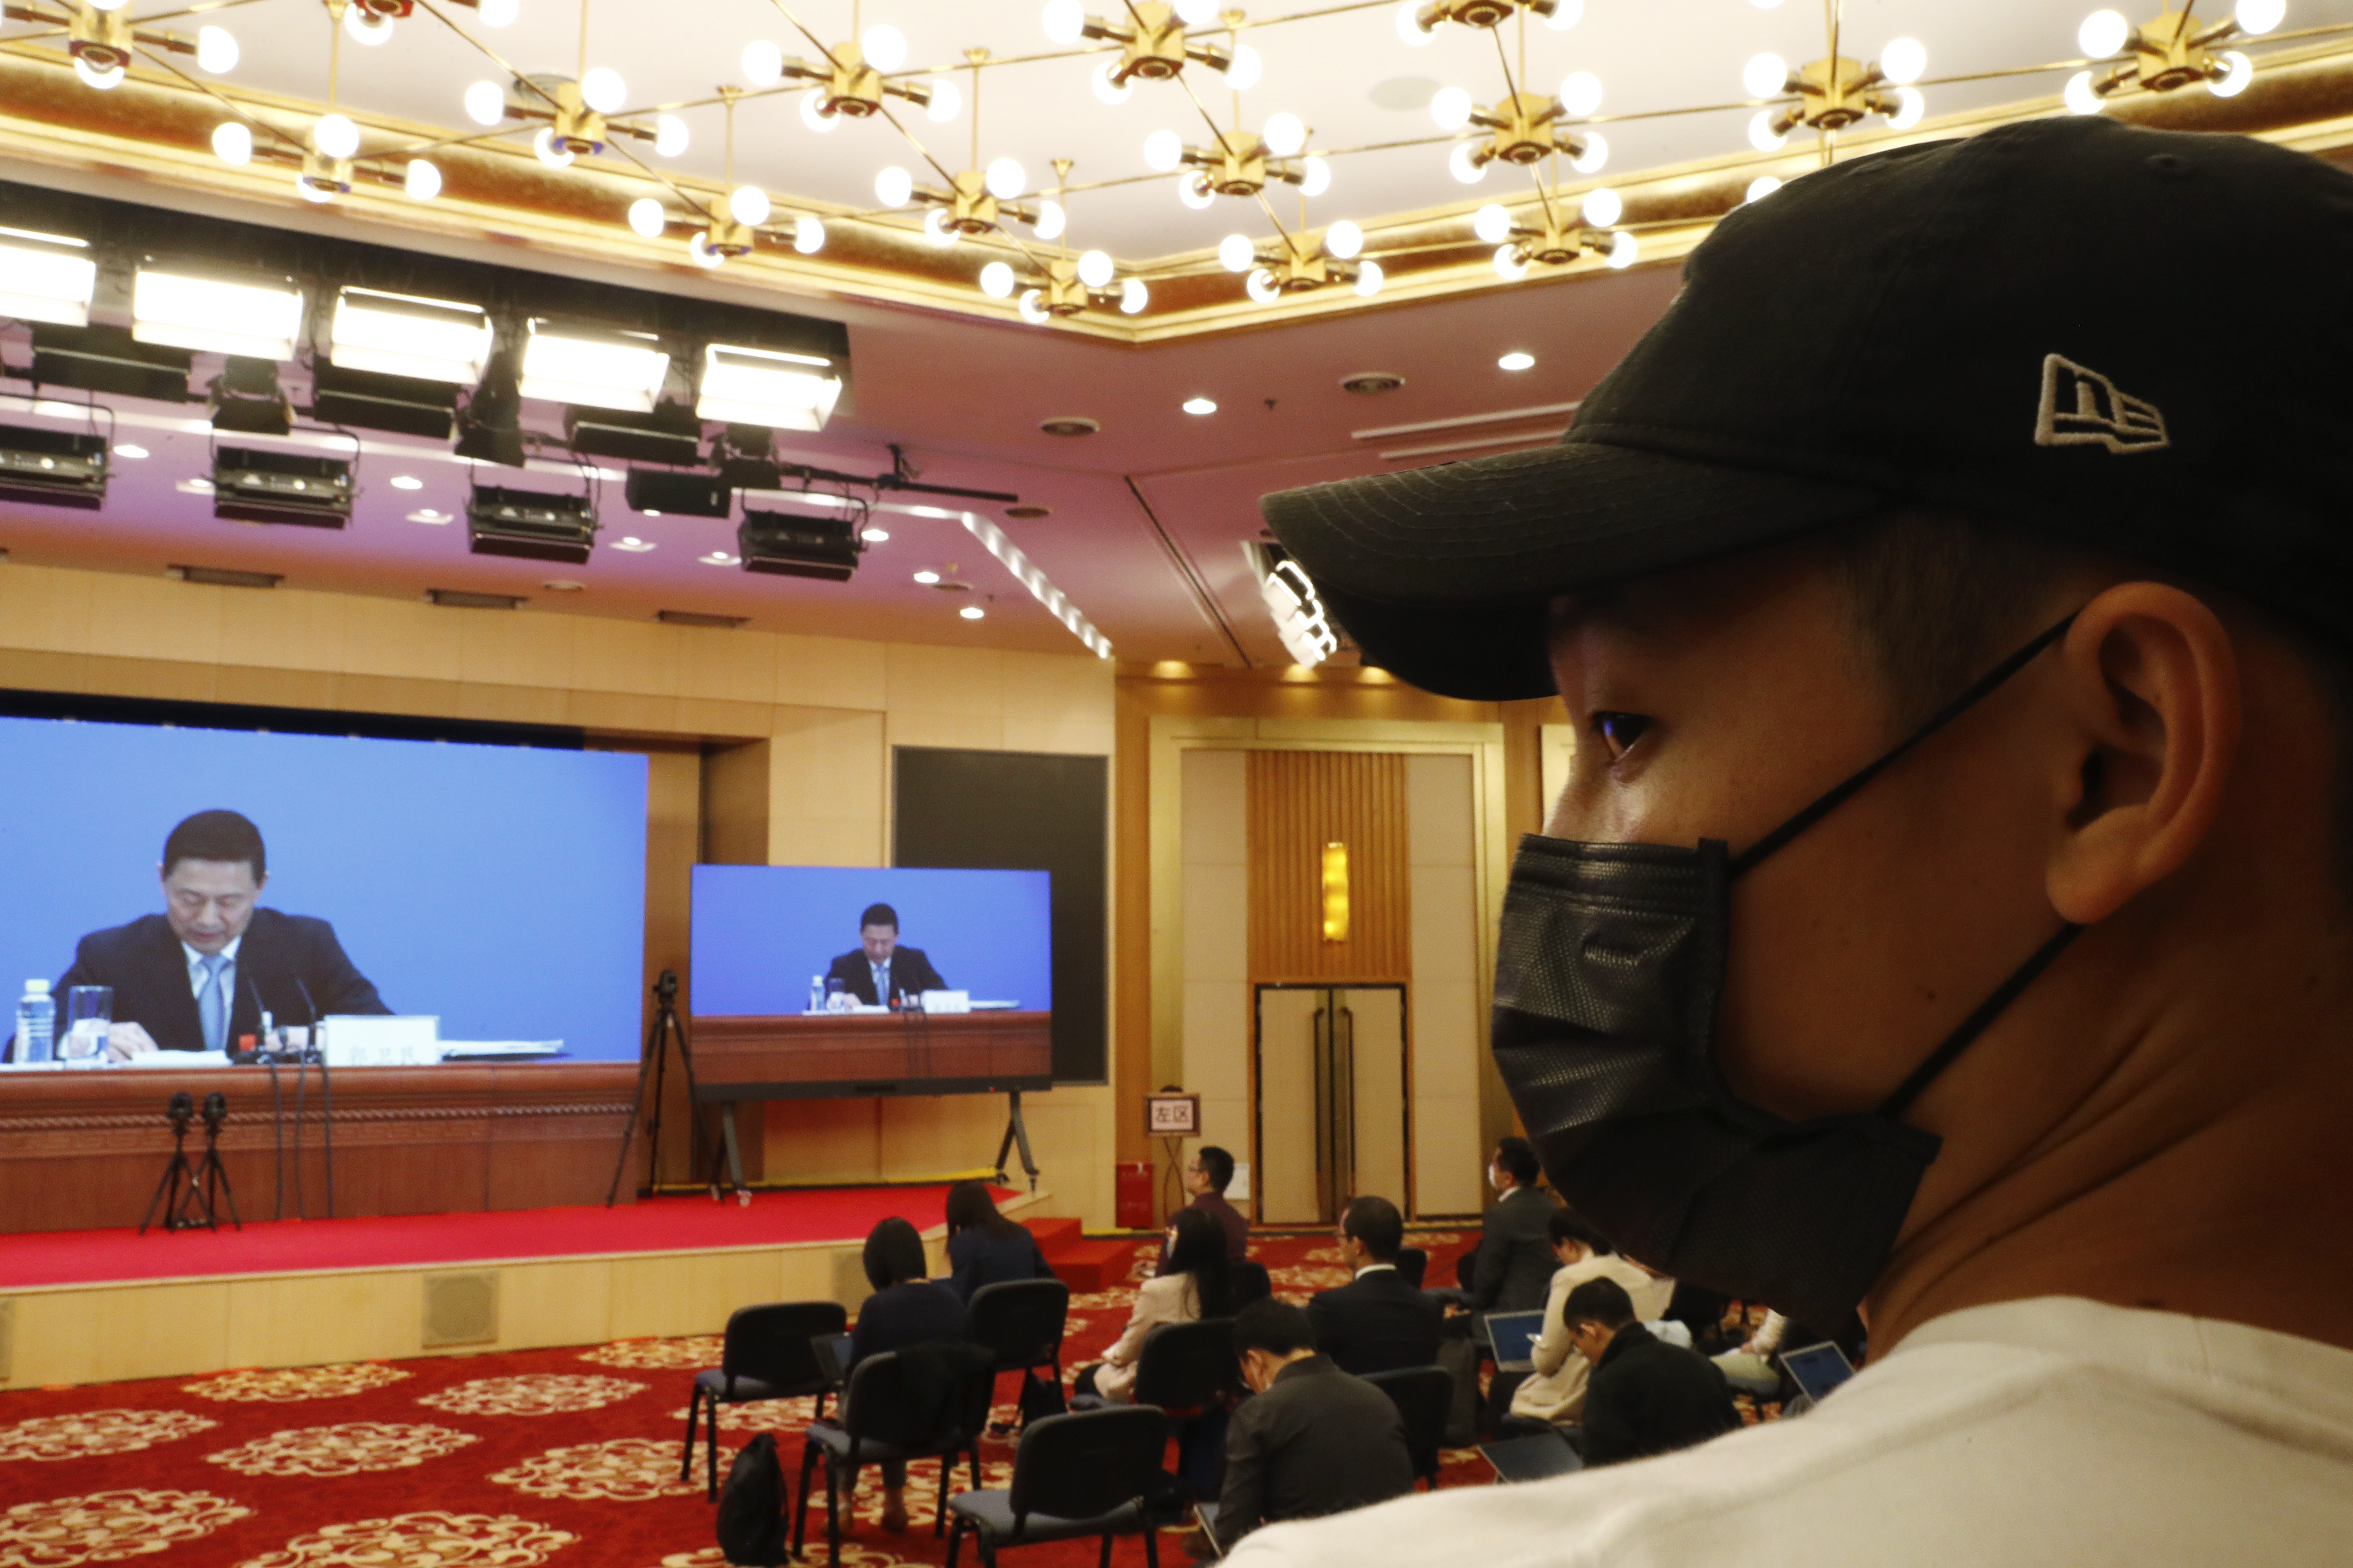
{"x":1838,"y":793}
{"x":1960,"y":1039}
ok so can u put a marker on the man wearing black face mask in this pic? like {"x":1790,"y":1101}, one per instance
{"x":1956,"y":865}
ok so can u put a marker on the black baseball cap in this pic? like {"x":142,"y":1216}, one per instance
{"x":2135,"y":342}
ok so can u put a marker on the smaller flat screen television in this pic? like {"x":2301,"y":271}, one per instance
{"x":814,"y":980}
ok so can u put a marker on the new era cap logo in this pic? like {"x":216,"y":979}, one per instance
{"x":2083,"y":408}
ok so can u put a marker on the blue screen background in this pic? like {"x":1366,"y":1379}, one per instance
{"x":761,"y":932}
{"x":500,"y":886}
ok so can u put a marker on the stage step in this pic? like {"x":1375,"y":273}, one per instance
{"x":1093,"y":1265}
{"x":1055,"y":1232}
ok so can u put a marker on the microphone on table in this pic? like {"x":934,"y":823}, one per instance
{"x":313,"y":1006}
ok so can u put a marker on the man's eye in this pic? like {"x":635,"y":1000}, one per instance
{"x":1619,"y":731}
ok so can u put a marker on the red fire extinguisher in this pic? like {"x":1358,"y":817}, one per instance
{"x":1135,"y":1191}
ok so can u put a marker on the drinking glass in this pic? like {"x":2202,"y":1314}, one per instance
{"x":89,"y":1014}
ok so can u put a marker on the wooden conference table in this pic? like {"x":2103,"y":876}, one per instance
{"x":82,"y":1151}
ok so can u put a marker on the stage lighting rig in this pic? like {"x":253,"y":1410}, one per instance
{"x":531,"y":524}
{"x":250,"y":485}
{"x":679,"y":493}
{"x":109,"y":360}
{"x":247,"y":400}
{"x":45,"y":278}
{"x":796,"y":545}
{"x":670,"y":435}
{"x":367,"y":401}
{"x":52,"y":468}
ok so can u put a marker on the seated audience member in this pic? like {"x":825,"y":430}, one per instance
{"x":984,"y":1246}
{"x":1750,"y":1368}
{"x":1192,"y":1284}
{"x":1312,"y":1439}
{"x":1376,"y":1321}
{"x":905,"y":1310}
{"x":1208,"y":1174}
{"x":1555,"y":1392}
{"x":1511,"y":1269}
{"x":1644,"y":1396}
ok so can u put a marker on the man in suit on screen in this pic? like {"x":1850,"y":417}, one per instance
{"x":200,"y":974}
{"x":880,"y":969}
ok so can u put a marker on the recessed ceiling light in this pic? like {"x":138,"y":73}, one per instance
{"x":195,"y":487}
{"x":633,"y":545}
{"x":928,"y":578}
{"x":1070,"y":425}
{"x":1372,"y":383}
{"x":720,"y":558}
{"x":1200,"y":405}
{"x":564,"y":586}
{"x":649,"y":511}
{"x":876,"y":536}
{"x":406,"y":482}
{"x":427,"y":514}
{"x":128,"y":450}
{"x":1516,"y":360}
{"x":972,"y":612}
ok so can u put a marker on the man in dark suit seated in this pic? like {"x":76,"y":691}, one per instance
{"x":1207,"y":1176}
{"x":879,"y":970}
{"x":1378,"y":1321}
{"x":1312,"y":1441}
{"x":1646,"y":1397}
{"x":199,"y":975}
{"x":1512,"y":1268}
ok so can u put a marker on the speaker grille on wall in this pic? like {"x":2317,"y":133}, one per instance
{"x":461,"y":1310}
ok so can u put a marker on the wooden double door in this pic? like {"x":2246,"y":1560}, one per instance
{"x":1332,"y":1108}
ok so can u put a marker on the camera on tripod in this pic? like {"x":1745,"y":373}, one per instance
{"x":190,"y":1195}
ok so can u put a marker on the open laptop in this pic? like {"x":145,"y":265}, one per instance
{"x":1536,"y":1458}
{"x":1818,"y":1369}
{"x":1205,"y":1514}
{"x":1514,"y":1335}
{"x":832,"y":1353}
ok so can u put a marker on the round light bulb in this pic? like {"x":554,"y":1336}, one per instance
{"x":1510,"y":266}
{"x":1344,"y":239}
{"x":1236,"y":253}
{"x":1193,"y":190}
{"x":421,"y":181}
{"x":2103,"y":34}
{"x":1108,"y":90}
{"x":1198,"y":13}
{"x":749,"y":205}
{"x":647,"y":217}
{"x":1602,"y":207}
{"x":1596,"y":153}
{"x":808,"y":236}
{"x":893,"y":186}
{"x":1095,"y":269}
{"x":486,"y":103}
{"x":2256,"y":17}
{"x":1262,"y":286}
{"x":997,"y":280}
{"x":698,"y":247}
{"x":1033,"y":312}
{"x":1450,"y":109}
{"x":1051,"y":221}
{"x":1760,"y":187}
{"x":1463,"y":163}
{"x":814,"y":114}
{"x":104,"y":80}
{"x":1163,"y":151}
{"x":1286,"y":134}
{"x":2233,"y":80}
{"x":763,"y":63}
{"x":1580,"y":94}
{"x":550,"y":154}
{"x":1006,"y":179}
{"x":335,"y":135}
{"x":603,"y":89}
{"x":499,"y":13}
{"x":1623,"y":248}
{"x":938,"y":229}
{"x":362,"y":28}
{"x":1134,"y":296}
{"x":671,"y":136}
{"x":1065,"y":21}
{"x":1566,"y":13}
{"x":1904,"y":61}
{"x":1247,"y":70}
{"x":1765,"y":76}
{"x":1314,"y":176}
{"x":1761,"y":135}
{"x":1200,"y":405}
{"x":2079,"y":97}
{"x":1369,"y":278}
{"x":232,"y":142}
{"x":972,"y":612}
{"x":1492,"y":223}
{"x":947,"y":102}
{"x":217,"y":49}
{"x":1516,"y":360}
{"x":1408,"y":24}
{"x":884,"y":46}
{"x":1909,"y":107}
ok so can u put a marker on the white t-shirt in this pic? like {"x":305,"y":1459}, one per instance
{"x":2052,"y":1432}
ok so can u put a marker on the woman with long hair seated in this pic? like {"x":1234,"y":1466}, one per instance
{"x":905,"y":1310}
{"x":984,"y":1246}
{"x":1192,"y":1284}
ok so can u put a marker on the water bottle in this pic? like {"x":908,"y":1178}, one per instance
{"x":816,"y":992}
{"x":36,"y":1022}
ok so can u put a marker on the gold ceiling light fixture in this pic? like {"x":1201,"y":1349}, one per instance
{"x":1063,"y":284}
{"x":854,"y":79}
{"x":1240,"y":164}
{"x":723,"y":228}
{"x":2166,"y":53}
{"x":101,"y":37}
{"x":1296,"y":266}
{"x":1832,"y":94}
{"x":1551,"y":236}
{"x":1417,"y":21}
{"x":1156,"y":43}
{"x":975,"y":201}
{"x":1523,"y":128}
{"x":578,"y":115}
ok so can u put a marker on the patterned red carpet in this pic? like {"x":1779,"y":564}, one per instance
{"x":561,"y":1457}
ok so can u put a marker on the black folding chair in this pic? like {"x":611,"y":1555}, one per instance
{"x":766,"y":1355}
{"x":880,"y":1419}
{"x":1413,"y":1263}
{"x":1422,"y":1395}
{"x":1021,"y":1323}
{"x":1190,"y":1371}
{"x":1251,"y":1282}
{"x":1088,"y":1473}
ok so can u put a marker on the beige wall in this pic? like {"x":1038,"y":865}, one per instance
{"x":1216,"y":938}
{"x":829,"y":710}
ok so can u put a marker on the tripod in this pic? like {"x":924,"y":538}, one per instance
{"x":186,"y":1208}
{"x":654,"y":1065}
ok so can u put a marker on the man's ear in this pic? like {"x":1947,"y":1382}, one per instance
{"x":2152,"y":691}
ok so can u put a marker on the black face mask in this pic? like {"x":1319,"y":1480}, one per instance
{"x":1610,"y":964}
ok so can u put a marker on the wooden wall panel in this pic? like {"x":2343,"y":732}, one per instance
{"x":1299,"y":802}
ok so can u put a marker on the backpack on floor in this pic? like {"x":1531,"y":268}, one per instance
{"x":752,"y":1506}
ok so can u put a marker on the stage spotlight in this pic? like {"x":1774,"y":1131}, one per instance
{"x":678,"y":494}
{"x":491,"y":429}
{"x":254,"y":486}
{"x":45,"y":278}
{"x":247,"y":400}
{"x":531,"y":524}
{"x":400,"y":334}
{"x":761,"y":386}
{"x":746,"y":456}
{"x":52,"y":468}
{"x":260,"y":319}
{"x":367,"y":401}
{"x":107,"y":359}
{"x":670,"y":433}
{"x":793,"y":545}
{"x":593,"y":367}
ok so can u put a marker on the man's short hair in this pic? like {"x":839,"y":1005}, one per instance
{"x":1274,"y":1326}
{"x":223,"y":835}
{"x":1215,"y":1164}
{"x":878,"y":915}
{"x":1518,"y":1156}
{"x":1566,"y":1224}
{"x":1602,"y":1301}
{"x":1376,"y":1226}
